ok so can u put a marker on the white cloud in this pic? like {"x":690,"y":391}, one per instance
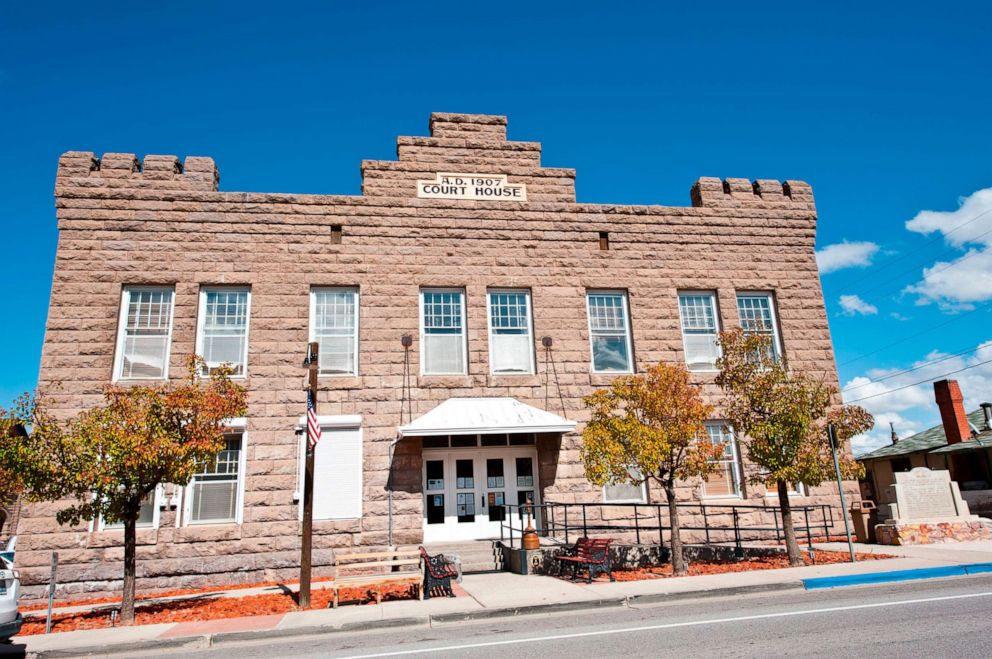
{"x":959,"y":282}
{"x":898,"y":316}
{"x":912,"y":408}
{"x":854,"y":305}
{"x":845,"y":255}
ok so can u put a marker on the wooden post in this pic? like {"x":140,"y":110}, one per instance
{"x":306,"y":546}
{"x":51,"y":592}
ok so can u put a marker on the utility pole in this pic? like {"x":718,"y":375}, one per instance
{"x":832,"y":435}
{"x":312,"y":365}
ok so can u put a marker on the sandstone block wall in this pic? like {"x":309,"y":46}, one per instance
{"x":125,"y":221}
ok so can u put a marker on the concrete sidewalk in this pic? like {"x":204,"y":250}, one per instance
{"x":486,"y":595}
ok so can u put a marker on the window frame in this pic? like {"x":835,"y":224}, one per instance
{"x":715,"y":307}
{"x":644,"y":493}
{"x":627,"y":330}
{"x":530,"y":329}
{"x":734,"y":464}
{"x":158,"y":495}
{"x":232,"y":426}
{"x":202,"y":320}
{"x":773,"y":313}
{"x":312,"y":334}
{"x":125,"y":302}
{"x":464,"y":328}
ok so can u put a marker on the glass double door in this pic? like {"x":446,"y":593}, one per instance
{"x":465,"y":490}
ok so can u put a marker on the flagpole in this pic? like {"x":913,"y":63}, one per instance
{"x":306,"y":546}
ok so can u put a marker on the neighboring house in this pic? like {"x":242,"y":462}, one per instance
{"x":464,"y":304}
{"x":962,"y":444}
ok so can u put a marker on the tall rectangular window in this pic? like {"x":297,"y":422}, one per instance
{"x":147,"y":514}
{"x":442,"y":332}
{"x":609,"y":331}
{"x":223,"y":335}
{"x":699,"y":330}
{"x":145,"y":333}
{"x":726,"y":481}
{"x":214,"y":492}
{"x":511,"y":343}
{"x":757,"y":314}
{"x":334,"y":326}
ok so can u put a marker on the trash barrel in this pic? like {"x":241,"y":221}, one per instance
{"x":863,"y":518}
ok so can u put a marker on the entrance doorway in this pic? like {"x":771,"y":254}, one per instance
{"x":466,"y":487}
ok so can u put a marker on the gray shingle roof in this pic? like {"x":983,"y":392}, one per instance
{"x":922,"y":441}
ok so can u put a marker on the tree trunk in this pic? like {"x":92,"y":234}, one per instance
{"x":130,"y":543}
{"x":791,"y":545}
{"x":678,"y":559}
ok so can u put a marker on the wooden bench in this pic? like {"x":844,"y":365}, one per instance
{"x":593,"y":554}
{"x":438,"y":573}
{"x":377,"y":569}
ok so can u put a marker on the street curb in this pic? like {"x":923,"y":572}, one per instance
{"x":514,"y":611}
{"x":897,"y":575}
{"x":655,"y":598}
{"x":317,"y":630}
{"x":200,"y":642}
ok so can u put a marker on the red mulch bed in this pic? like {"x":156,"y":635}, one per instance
{"x":210,"y":607}
{"x":154,"y":595}
{"x":761,"y":563}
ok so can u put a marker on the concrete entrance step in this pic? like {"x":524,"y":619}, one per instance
{"x":476,"y":555}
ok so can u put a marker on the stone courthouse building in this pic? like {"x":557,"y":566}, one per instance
{"x":517,"y":301}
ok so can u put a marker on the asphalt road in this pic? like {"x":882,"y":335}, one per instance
{"x":936,"y":618}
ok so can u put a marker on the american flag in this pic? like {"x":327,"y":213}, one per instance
{"x":313,"y":428}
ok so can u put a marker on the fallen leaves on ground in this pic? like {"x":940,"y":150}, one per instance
{"x":210,"y":606}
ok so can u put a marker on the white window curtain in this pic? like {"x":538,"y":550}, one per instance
{"x":338,"y":470}
{"x":609,"y":332}
{"x":442,"y":332}
{"x":214,"y":491}
{"x":699,"y":330}
{"x":511,"y":344}
{"x":758,"y":317}
{"x":224,"y":329}
{"x":335,"y":328}
{"x":725,"y":482}
{"x":146,"y":327}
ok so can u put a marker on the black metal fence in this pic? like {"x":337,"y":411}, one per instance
{"x":647,"y":523}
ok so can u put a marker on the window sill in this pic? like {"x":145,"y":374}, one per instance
{"x":515,"y":380}
{"x":444,"y":381}
{"x":340,"y":381}
{"x":606,"y":379}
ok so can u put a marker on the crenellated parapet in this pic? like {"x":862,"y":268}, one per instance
{"x":124,"y":170}
{"x":730,"y":192}
{"x":467,"y":144}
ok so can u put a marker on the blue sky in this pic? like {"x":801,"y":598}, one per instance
{"x":883,"y":108}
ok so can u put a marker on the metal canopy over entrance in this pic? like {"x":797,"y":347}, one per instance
{"x":479,"y":455}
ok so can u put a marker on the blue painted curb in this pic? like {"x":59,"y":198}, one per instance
{"x":897,"y":575}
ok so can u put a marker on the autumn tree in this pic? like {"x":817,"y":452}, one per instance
{"x":781,"y":415}
{"x":112,"y":456}
{"x":650,"y":427}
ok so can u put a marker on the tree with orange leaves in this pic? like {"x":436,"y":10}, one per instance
{"x":782,"y":416}
{"x":110,"y":457}
{"x":650,"y":427}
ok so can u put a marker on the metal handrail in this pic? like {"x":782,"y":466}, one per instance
{"x":551,"y":520}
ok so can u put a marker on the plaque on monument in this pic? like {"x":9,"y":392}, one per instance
{"x":925,"y":494}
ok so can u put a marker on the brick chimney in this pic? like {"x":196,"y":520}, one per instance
{"x":951,"y":405}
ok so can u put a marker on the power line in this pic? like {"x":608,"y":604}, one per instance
{"x":913,"y":336}
{"x":932,"y":272}
{"x":907,"y":386}
{"x":940,"y":235}
{"x":915,"y":368}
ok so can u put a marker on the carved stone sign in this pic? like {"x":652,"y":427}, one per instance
{"x":925,"y":494}
{"x":478,"y":187}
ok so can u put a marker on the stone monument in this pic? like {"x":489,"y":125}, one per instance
{"x":929,"y":509}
